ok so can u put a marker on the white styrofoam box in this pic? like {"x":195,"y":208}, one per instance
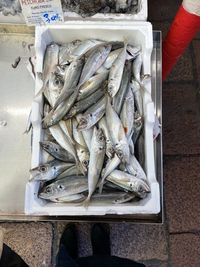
{"x":135,"y":33}
{"x":141,"y":15}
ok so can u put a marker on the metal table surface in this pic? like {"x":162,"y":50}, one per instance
{"x":17,"y":90}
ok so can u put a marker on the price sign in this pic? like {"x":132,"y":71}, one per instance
{"x":42,"y":12}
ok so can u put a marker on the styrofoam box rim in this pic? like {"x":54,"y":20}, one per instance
{"x":107,"y":31}
{"x":141,"y":16}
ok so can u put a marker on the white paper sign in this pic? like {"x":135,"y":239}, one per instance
{"x":42,"y":12}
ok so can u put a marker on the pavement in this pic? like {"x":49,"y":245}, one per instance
{"x":176,"y":243}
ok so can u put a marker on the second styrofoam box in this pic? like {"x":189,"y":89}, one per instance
{"x":135,"y":33}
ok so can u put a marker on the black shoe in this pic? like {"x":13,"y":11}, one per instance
{"x":100,"y":238}
{"x":69,"y":240}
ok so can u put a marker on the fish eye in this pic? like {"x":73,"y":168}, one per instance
{"x":43,"y":169}
{"x":101,"y":138}
{"x":61,"y":187}
{"x":85,"y":163}
{"x":56,"y":149}
{"x":48,"y":190}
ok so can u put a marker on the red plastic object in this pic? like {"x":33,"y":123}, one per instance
{"x":182,"y":31}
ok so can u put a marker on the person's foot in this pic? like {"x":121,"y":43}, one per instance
{"x":69,"y":240}
{"x":100,"y":239}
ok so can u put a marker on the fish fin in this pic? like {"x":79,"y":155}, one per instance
{"x":86,"y":202}
{"x":101,"y":186}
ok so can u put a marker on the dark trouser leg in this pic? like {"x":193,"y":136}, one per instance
{"x":11,"y":259}
{"x":63,"y":258}
{"x":106,"y":261}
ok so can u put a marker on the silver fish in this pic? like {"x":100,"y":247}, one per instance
{"x":127,"y":113}
{"x":109,"y":147}
{"x":129,"y":182}
{"x":57,"y":151}
{"x":111,"y":165}
{"x":72,"y":171}
{"x":87,"y":134}
{"x":49,"y":65}
{"x":127,"y":197}
{"x":64,"y":187}
{"x":94,"y":61}
{"x":76,"y":198}
{"x":92,"y":85}
{"x":119,"y":97}
{"x":63,"y":141}
{"x":137,"y":66}
{"x":55,"y":115}
{"x":81,"y":147}
{"x":134,"y":168}
{"x":85,"y":103}
{"x":110,"y":60}
{"x":113,"y":197}
{"x":66,"y":126}
{"x":53,"y":89}
{"x":72,"y":76}
{"x":84,"y":47}
{"x":66,"y":50}
{"x":137,"y":91}
{"x":49,"y":171}
{"x":98,"y":149}
{"x":116,"y":71}
{"x":117,"y":134}
{"x":138,"y":125}
{"x":92,"y":115}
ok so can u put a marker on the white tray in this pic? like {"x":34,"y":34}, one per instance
{"x":141,"y":15}
{"x":136,"y":33}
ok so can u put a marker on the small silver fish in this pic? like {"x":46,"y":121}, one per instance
{"x":109,"y":147}
{"x":129,"y":182}
{"x":90,"y":86}
{"x":71,"y":78}
{"x":57,"y":151}
{"x":134,"y":168}
{"x":49,"y":171}
{"x":87,"y":134}
{"x":76,"y":198}
{"x":127,"y":113}
{"x":72,"y":171}
{"x":111,"y":165}
{"x":94,"y":61}
{"x":119,"y":97}
{"x":53,"y":89}
{"x":92,"y":115}
{"x":63,"y":140}
{"x":116,"y":71}
{"x":117,"y":134}
{"x":64,"y":187}
{"x":85,"y":103}
{"x":98,"y":149}
{"x":49,"y":65}
{"x":137,"y":91}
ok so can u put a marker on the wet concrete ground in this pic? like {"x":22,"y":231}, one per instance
{"x":177,"y":242}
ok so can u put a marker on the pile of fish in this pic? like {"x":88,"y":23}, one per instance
{"x":89,"y":8}
{"x":93,"y":119}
